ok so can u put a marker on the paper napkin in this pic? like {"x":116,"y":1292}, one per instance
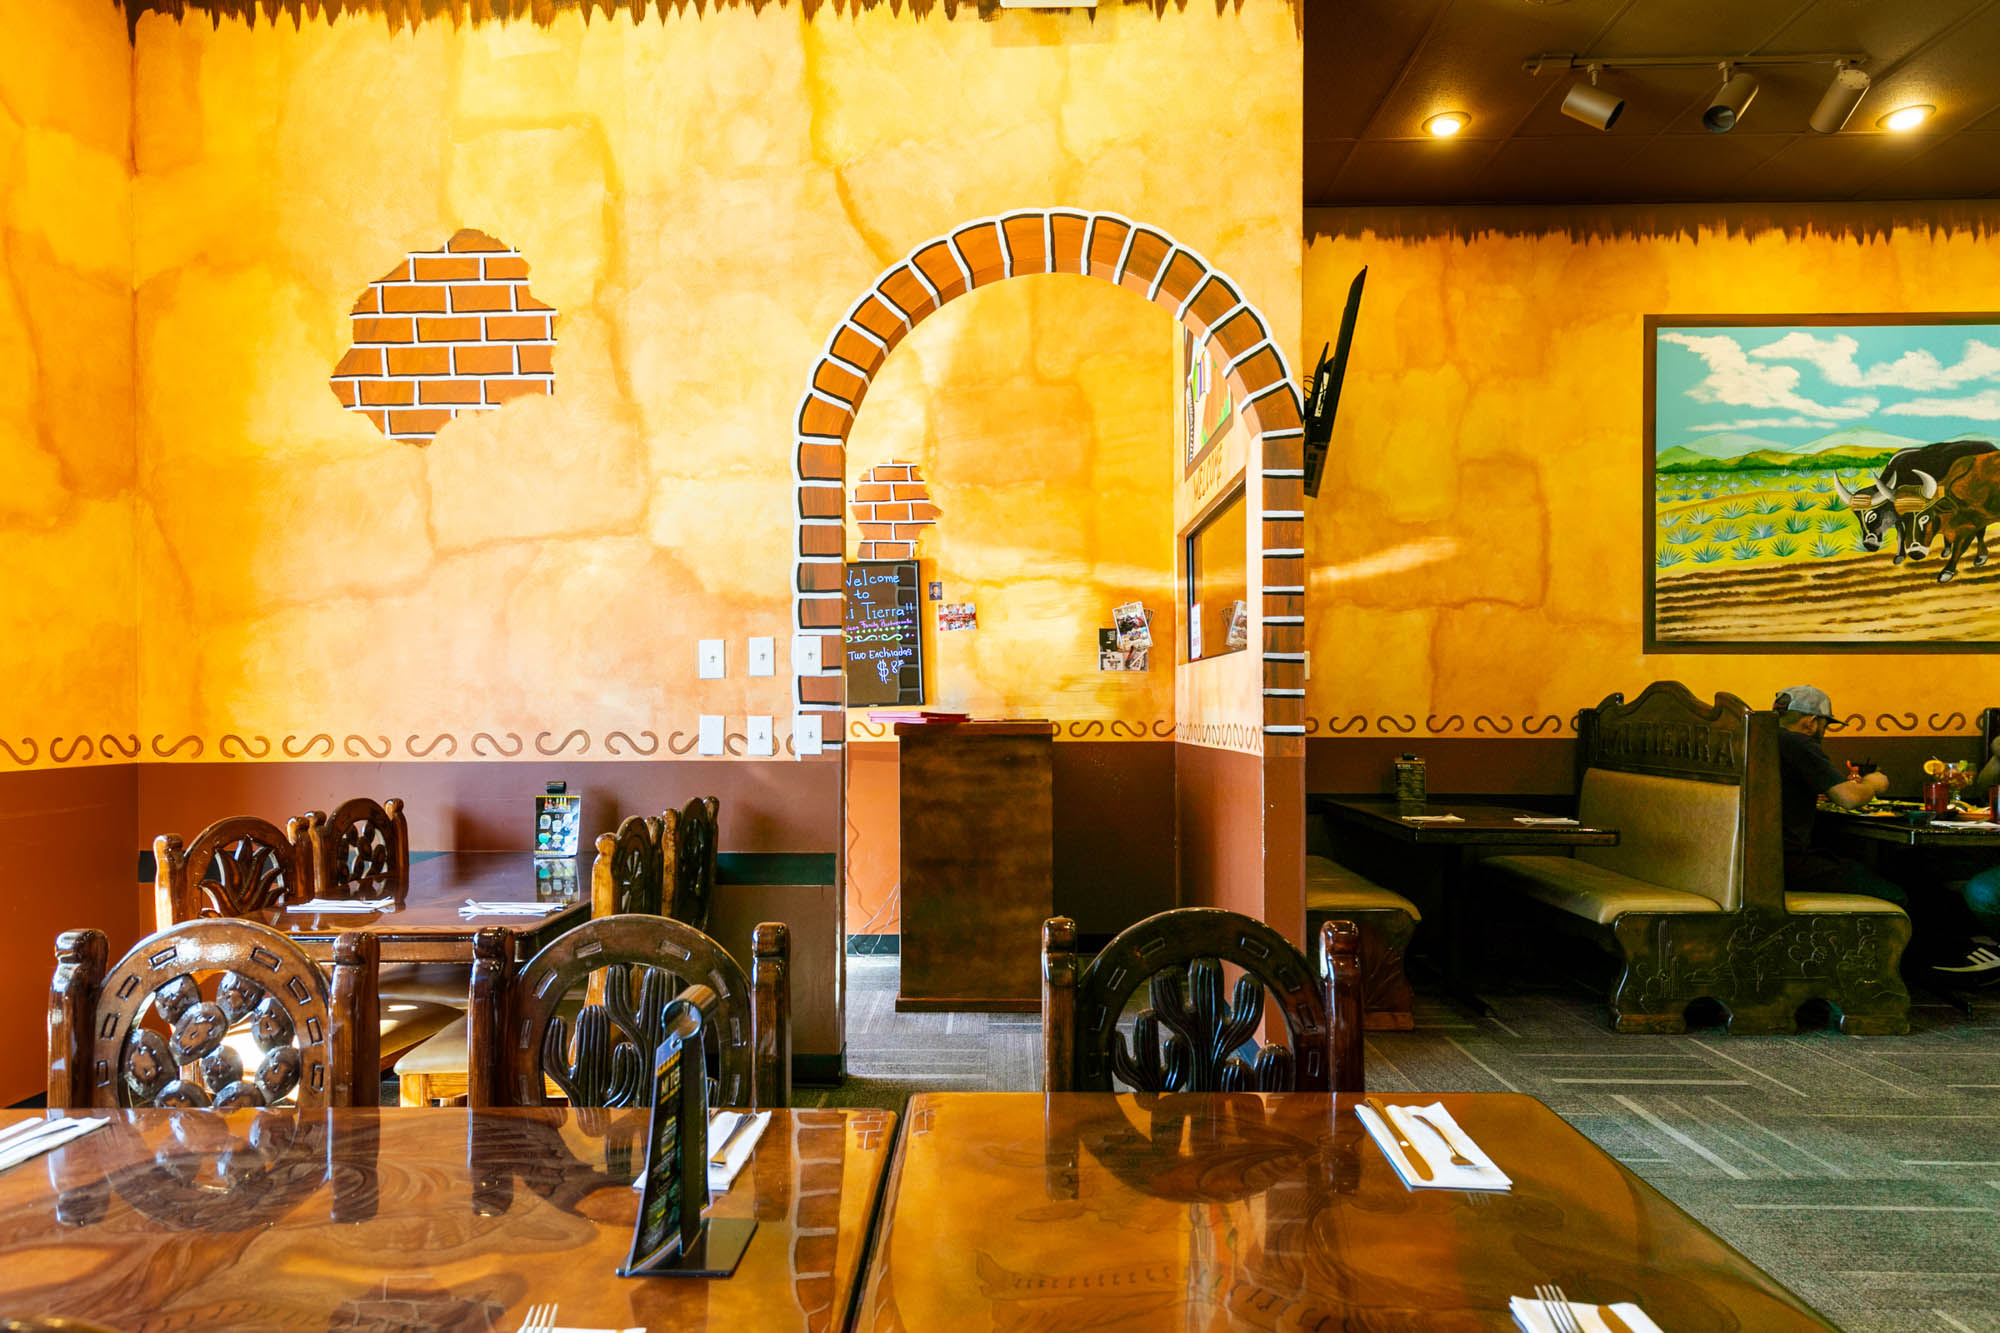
{"x":720,"y":1178}
{"x":1534,"y":1316}
{"x":1426,"y":1127}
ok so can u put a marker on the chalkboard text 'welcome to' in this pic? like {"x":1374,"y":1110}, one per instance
{"x":884,"y":636}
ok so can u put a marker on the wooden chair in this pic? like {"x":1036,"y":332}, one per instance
{"x":694,"y":861}
{"x":1692,"y":899}
{"x":517,"y":1037}
{"x":233,"y":867}
{"x":154,"y":1030}
{"x":361,"y":850}
{"x":629,"y":874}
{"x":1387,"y":920}
{"x":1180,"y":954}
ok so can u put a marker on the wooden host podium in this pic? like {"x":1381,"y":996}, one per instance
{"x":978,"y":864}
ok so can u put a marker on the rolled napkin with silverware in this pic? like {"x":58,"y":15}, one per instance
{"x":1428,"y":1149}
{"x":474,"y":907}
{"x":344,"y":905}
{"x":1559,"y":820}
{"x":1544,"y":1316}
{"x":1432,"y":819}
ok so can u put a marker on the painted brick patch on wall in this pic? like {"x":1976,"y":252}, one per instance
{"x":443,"y":333}
{"x":891,"y":507}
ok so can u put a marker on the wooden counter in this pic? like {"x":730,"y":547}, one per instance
{"x":978,"y":863}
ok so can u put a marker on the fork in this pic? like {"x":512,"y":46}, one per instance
{"x":541,"y":1319}
{"x":1557,"y":1305}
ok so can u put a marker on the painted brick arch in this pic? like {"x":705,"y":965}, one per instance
{"x":1137,"y":257}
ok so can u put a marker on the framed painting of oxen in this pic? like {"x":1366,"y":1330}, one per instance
{"x":1820,"y":482}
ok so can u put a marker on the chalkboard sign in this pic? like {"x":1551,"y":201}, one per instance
{"x":884,"y":634}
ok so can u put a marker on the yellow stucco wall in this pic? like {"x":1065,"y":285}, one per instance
{"x":701,"y":198}
{"x":1040,"y":413}
{"x":1476,"y":547}
{"x":66,"y":601}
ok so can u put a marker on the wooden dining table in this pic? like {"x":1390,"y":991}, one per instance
{"x":1444,"y":856}
{"x":420,"y":1219}
{"x":1894,"y":827}
{"x":426,"y":926}
{"x":1273,"y":1212}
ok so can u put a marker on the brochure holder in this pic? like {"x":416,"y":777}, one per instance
{"x":671,"y":1238}
{"x":558,"y":821}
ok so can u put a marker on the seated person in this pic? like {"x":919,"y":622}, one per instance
{"x":1805,"y":714}
{"x":1982,"y":891}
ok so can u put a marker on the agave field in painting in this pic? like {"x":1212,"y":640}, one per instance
{"x":1729,"y":519}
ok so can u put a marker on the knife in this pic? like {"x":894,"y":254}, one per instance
{"x":1612,"y":1321}
{"x":720,"y":1156}
{"x":1410,"y":1153}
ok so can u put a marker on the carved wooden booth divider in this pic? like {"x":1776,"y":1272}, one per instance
{"x":168,"y":1024}
{"x":233,"y":867}
{"x":1179,"y":954}
{"x":517,"y":1036}
{"x":1759,"y":952}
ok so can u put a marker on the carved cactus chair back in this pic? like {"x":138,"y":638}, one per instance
{"x":629,"y":874}
{"x":517,"y":1033}
{"x":1189,"y":1037}
{"x":233,"y":867}
{"x":361,"y":850}
{"x":694,"y":861}
{"x":216,"y":1013}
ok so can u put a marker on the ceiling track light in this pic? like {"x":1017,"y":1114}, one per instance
{"x":1849,"y":86}
{"x":1587,"y":103}
{"x":1590,"y":104}
{"x":1731,"y":100}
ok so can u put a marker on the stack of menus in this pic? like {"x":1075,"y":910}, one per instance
{"x":558,"y":821}
{"x":670,"y":1238}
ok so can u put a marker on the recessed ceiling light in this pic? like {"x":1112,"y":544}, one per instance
{"x":1447,"y":123}
{"x":1906,"y":117}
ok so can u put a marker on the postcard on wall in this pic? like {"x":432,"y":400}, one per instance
{"x":957,"y":615}
{"x":1238,"y":635}
{"x":1111,"y":657}
{"x":1821,"y":482}
{"x":1135,"y":626}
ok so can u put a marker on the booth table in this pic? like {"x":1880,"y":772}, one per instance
{"x":421,"y":1219}
{"x":427,"y":928}
{"x":1449,"y":846}
{"x":1272,"y":1211}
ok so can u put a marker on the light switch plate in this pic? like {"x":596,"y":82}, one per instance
{"x":805,"y":654}
{"x":805,"y":733}
{"x":758,"y":730}
{"x":709,"y":659}
{"x":710,"y":737}
{"x":763,"y":656}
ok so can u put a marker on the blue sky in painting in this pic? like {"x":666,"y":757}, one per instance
{"x":1794,"y":385}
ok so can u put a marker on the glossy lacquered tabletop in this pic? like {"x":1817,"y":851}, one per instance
{"x":427,"y":926}
{"x":421,"y":1219}
{"x":1272,"y":1212}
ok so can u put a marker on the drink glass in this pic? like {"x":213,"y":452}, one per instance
{"x":1937,"y":796}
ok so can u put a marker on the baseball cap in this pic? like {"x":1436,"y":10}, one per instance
{"x":1808,"y":699}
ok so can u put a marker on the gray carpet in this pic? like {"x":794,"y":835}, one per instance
{"x":1863,"y":1173}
